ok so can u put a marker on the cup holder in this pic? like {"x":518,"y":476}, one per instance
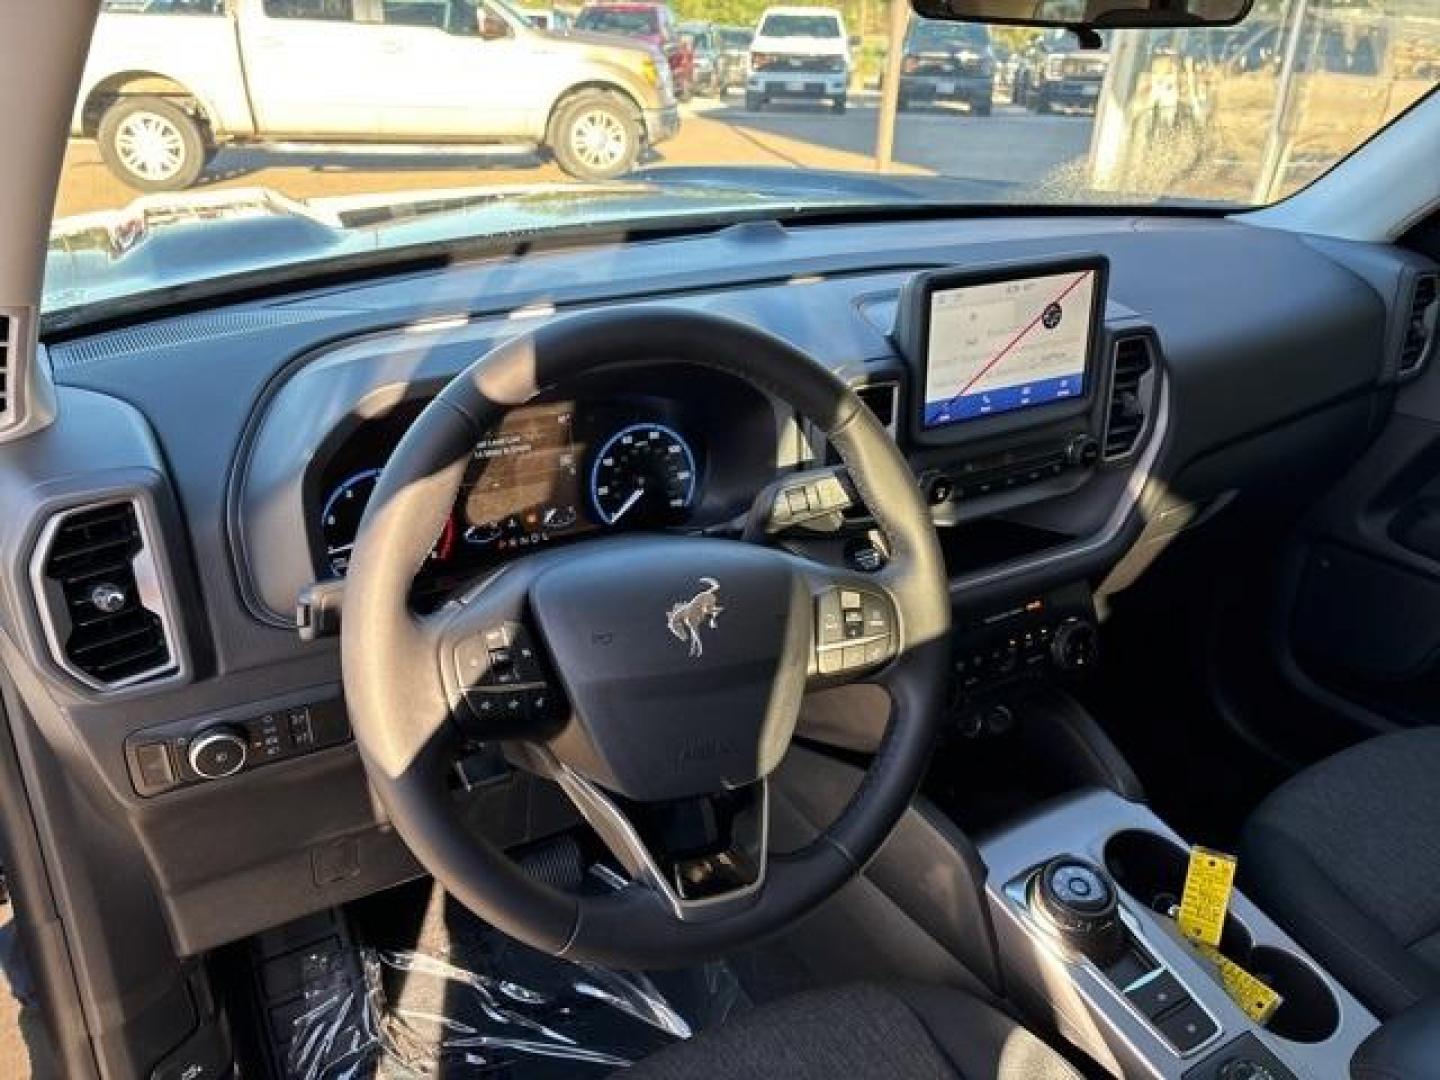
{"x":1151,"y":869}
{"x":1309,"y":1012}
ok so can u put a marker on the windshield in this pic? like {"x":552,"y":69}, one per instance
{"x":215,"y":139}
{"x":810,"y":26}
{"x":925,"y":34}
{"x":619,"y":20}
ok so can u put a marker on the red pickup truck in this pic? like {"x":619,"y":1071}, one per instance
{"x":652,"y":23}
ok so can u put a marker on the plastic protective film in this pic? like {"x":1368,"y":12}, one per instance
{"x":524,"y":1014}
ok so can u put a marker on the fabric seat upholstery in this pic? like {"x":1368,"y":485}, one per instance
{"x":880,"y":1032}
{"x":1346,"y":857}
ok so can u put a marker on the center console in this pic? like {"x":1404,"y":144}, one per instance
{"x":1081,"y":890}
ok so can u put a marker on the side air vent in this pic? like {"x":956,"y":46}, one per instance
{"x":882,"y":399}
{"x":9,"y":345}
{"x":99,"y":592}
{"x":1420,"y":330}
{"x":1130,"y":396}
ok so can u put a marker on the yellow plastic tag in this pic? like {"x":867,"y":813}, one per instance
{"x":1207,"y":895}
{"x":1255,"y":999}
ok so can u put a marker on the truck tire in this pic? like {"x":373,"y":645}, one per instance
{"x":983,"y":106}
{"x":754,"y":102}
{"x":152,"y":144}
{"x":596,"y":136}
{"x":838,"y":105}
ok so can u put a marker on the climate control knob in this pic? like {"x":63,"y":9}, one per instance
{"x":217,"y":752}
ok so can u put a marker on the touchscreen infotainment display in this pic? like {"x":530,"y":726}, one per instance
{"x":996,"y":347}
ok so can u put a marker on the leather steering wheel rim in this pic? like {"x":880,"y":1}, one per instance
{"x":400,"y":708}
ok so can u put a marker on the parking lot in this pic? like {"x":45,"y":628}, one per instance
{"x":1011,"y":143}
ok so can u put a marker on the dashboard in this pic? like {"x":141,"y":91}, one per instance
{"x":247,"y":439}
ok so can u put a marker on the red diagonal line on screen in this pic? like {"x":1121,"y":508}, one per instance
{"x":990,"y":364}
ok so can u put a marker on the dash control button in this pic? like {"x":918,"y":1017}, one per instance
{"x":152,"y":762}
{"x":302,"y":731}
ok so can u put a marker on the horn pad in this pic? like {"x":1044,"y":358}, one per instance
{"x":684,"y":661}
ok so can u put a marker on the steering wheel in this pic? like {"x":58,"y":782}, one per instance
{"x":652,"y":676}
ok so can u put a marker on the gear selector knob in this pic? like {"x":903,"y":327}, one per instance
{"x":1077,"y":900}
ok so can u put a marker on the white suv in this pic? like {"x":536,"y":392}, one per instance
{"x":799,"y":52}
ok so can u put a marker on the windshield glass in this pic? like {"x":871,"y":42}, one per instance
{"x":618,"y":20}
{"x":215,"y":139}
{"x":925,"y":34}
{"x":811,"y":26}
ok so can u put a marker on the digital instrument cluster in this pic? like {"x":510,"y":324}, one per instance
{"x":548,"y":472}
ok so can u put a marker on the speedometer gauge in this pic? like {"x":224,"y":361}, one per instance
{"x":644,"y":474}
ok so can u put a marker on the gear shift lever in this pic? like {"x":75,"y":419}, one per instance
{"x":1076,"y":900}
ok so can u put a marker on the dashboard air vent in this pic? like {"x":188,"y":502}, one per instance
{"x":1129,"y":396}
{"x":880,"y":398}
{"x":1420,"y":330}
{"x":100,"y":597}
{"x":9,"y":344}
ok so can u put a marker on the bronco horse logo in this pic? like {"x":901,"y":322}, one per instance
{"x":686,"y":617}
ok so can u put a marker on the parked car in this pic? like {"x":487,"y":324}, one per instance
{"x":652,"y":23}
{"x":162,"y":92}
{"x":799,"y":52}
{"x":1056,"y":71}
{"x":705,"y":54}
{"x":948,"y":61}
{"x":733,"y":57}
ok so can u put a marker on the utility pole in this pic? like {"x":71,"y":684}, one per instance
{"x":1277,"y":139}
{"x":890,"y":90}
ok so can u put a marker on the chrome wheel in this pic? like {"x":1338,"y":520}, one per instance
{"x":599,"y":140}
{"x":150,"y":146}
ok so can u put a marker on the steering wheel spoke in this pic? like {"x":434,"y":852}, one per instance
{"x":703,"y":857}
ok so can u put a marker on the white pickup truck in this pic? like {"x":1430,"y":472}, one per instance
{"x":169,"y":82}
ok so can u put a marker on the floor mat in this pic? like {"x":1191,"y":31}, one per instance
{"x":423,"y":988}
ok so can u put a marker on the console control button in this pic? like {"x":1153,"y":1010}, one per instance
{"x":217,"y":752}
{"x":1187,"y":1027}
{"x":1157,"y":995}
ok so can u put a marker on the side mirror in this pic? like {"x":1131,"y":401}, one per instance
{"x":854,"y":41}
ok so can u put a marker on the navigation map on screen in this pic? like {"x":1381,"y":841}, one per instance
{"x":1007,"y":345}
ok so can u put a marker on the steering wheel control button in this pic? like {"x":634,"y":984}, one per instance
{"x":854,"y":629}
{"x":808,"y":499}
{"x":218,"y":753}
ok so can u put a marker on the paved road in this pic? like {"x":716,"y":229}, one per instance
{"x":1008,"y":145}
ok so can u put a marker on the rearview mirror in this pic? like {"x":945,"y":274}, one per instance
{"x":1097,"y":14}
